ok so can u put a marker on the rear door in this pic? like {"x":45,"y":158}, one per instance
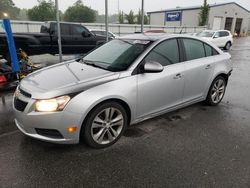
{"x":65,"y":38}
{"x":199,"y":68}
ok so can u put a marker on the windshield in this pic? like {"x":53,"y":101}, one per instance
{"x":116,"y":55}
{"x":205,"y":34}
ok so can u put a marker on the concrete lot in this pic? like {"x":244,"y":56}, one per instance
{"x":198,"y":146}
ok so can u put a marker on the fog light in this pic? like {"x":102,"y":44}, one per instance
{"x":72,"y":129}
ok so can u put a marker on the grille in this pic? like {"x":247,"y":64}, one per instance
{"x":20,"y":105}
{"x":52,"y":133}
{"x":25,"y":93}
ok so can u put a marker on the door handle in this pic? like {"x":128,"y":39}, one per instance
{"x":208,"y":67}
{"x":178,"y":76}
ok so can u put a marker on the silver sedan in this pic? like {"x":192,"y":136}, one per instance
{"x":123,"y":82}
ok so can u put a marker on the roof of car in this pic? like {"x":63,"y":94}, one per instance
{"x":153,"y":36}
{"x":215,"y":30}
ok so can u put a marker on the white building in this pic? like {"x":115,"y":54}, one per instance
{"x":230,"y":16}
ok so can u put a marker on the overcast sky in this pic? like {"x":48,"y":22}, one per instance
{"x":127,"y":5}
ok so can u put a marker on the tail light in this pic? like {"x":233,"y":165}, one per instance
{"x":2,"y":79}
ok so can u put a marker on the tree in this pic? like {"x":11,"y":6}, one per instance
{"x":7,"y":6}
{"x":80,"y":13}
{"x":204,"y":14}
{"x":139,"y":18}
{"x":111,"y":18}
{"x":23,"y":14}
{"x":44,"y":11}
{"x":121,"y":17}
{"x":146,"y":20}
{"x":130,"y":17}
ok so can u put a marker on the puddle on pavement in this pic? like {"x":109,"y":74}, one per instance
{"x":173,"y":118}
{"x":133,"y":132}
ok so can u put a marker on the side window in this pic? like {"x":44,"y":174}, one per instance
{"x":217,"y":35}
{"x":208,"y":50}
{"x":215,"y":52}
{"x":166,"y":53}
{"x":221,"y":34}
{"x":194,"y":49}
{"x":65,"y":29}
{"x":78,"y":29}
{"x":224,"y":34}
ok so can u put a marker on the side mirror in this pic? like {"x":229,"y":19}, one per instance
{"x":152,"y":67}
{"x":51,"y":32}
{"x":215,"y":37}
{"x":85,"y":34}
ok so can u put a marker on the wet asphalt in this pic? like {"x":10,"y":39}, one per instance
{"x":198,"y":146}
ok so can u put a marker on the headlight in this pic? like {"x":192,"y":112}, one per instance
{"x":52,"y":105}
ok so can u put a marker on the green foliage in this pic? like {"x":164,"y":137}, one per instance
{"x":130,"y":17}
{"x":100,"y":18}
{"x":79,"y":13}
{"x":7,"y":6}
{"x":121,"y":17}
{"x":44,"y":11}
{"x":139,"y":18}
{"x":146,"y":20}
{"x":23,"y":15}
{"x":204,"y":14}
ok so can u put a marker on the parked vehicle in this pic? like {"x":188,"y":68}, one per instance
{"x":123,"y":82}
{"x":76,"y":39}
{"x":222,"y":38}
{"x":100,"y":32}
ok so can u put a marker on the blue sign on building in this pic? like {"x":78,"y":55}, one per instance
{"x":173,"y":16}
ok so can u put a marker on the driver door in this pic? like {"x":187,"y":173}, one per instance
{"x":163,"y":90}
{"x":82,"y":43}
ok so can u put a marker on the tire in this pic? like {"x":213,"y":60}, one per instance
{"x":227,"y":46}
{"x":216,"y":91}
{"x":98,"y":131}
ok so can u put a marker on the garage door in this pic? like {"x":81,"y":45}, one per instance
{"x":217,"y":23}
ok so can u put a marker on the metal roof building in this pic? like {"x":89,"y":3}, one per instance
{"x":230,"y":16}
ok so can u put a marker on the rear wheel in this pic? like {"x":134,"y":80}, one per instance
{"x":104,"y":125}
{"x":216,"y":91}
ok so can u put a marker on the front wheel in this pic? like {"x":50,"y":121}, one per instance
{"x":227,"y":46}
{"x":104,"y":125}
{"x":216,"y":91}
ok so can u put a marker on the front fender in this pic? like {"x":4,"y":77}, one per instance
{"x":123,"y":89}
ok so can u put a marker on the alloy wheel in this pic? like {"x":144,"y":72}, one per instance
{"x":107,"y":125}
{"x":218,"y":91}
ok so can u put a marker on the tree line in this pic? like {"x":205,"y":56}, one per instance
{"x":78,"y":12}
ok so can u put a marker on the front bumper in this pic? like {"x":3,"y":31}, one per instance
{"x":29,"y":122}
{"x":44,"y":138}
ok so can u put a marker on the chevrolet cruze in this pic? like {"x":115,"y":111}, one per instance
{"x":123,"y":82}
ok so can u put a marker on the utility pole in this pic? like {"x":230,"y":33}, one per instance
{"x":58,"y":32}
{"x":118,"y":6}
{"x":142,"y":14}
{"x":106,"y":19}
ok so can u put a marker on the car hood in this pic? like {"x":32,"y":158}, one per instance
{"x":65,"y":78}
